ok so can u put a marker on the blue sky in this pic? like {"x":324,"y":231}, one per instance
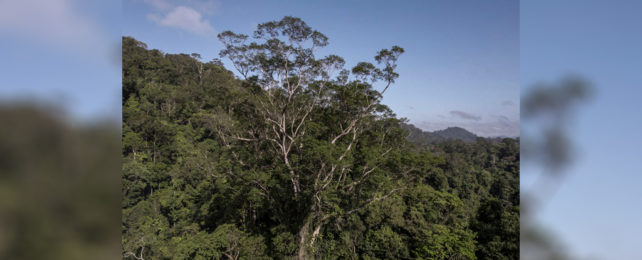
{"x":597,"y":210}
{"x":63,"y":52}
{"x":462,"y":58}
{"x":461,"y":66}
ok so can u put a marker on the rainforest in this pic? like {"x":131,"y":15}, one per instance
{"x":286,"y":154}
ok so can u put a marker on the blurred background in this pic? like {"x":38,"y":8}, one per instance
{"x":580,"y":117}
{"x":60,"y":129}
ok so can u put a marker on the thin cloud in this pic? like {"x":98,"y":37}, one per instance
{"x":208,"y":7}
{"x":464,"y":115}
{"x":499,"y":127}
{"x":508,"y":103}
{"x":58,"y":23}
{"x":185,"y":18}
{"x":160,"y":5}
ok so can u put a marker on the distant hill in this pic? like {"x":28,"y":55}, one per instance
{"x":451,"y":133}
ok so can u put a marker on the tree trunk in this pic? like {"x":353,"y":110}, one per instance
{"x":303,"y":235}
{"x":306,"y":242}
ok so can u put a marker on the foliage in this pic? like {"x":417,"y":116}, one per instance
{"x":450,"y":133}
{"x":298,"y":159}
{"x":59,"y":187}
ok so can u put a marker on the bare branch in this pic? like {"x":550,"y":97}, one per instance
{"x":374,"y":199}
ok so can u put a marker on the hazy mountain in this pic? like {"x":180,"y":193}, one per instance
{"x":451,"y":133}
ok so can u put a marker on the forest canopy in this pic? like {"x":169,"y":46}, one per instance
{"x":296,"y":157}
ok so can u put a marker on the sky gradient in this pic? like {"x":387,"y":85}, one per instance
{"x":596,"y":211}
{"x":62,"y":52}
{"x":460,"y":68}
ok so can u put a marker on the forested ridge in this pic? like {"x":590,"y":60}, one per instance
{"x":298,"y":158}
{"x":421,"y":137}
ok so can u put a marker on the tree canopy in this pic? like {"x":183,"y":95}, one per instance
{"x":298,"y":158}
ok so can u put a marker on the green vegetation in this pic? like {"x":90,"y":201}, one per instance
{"x":298,"y":159}
{"x":418,"y":136}
{"x":59,"y":185}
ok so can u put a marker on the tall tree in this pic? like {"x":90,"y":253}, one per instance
{"x":314,"y":120}
{"x":297,"y":158}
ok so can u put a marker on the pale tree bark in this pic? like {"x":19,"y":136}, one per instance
{"x":293,"y":83}
{"x":132,"y":254}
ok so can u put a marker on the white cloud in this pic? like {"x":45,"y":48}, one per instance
{"x":208,"y":7}
{"x":160,"y":5}
{"x":57,"y":23}
{"x":185,"y":18}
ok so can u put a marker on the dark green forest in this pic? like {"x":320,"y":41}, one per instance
{"x":59,"y":184}
{"x":297,"y":158}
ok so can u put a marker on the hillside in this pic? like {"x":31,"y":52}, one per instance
{"x":451,"y":133}
{"x":298,"y":167}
